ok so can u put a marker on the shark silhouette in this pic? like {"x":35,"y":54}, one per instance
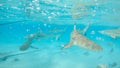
{"x":80,"y":40}
{"x":32,"y":37}
{"x":114,"y":33}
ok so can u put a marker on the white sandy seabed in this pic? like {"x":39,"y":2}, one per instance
{"x":50,"y":55}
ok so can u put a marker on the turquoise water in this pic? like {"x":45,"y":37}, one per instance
{"x":18,"y":24}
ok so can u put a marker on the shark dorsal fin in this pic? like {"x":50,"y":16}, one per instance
{"x":74,"y":27}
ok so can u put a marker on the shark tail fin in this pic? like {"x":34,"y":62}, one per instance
{"x":86,"y":28}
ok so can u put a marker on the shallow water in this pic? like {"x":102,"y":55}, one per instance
{"x":47,"y":52}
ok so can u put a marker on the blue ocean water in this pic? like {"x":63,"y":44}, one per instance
{"x":46,"y":51}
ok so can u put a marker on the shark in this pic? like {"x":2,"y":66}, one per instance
{"x":114,"y":33}
{"x":27,"y":43}
{"x":80,"y":40}
{"x":30,"y":38}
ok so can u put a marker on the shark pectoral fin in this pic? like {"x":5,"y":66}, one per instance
{"x":68,"y":45}
{"x":34,"y":47}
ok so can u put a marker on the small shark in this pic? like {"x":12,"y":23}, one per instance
{"x":32,"y":37}
{"x":114,"y":33}
{"x":80,"y":40}
{"x":27,"y":44}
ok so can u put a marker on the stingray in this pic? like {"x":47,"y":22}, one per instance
{"x":114,"y":33}
{"x":3,"y":56}
{"x":6,"y":55}
{"x":80,"y":40}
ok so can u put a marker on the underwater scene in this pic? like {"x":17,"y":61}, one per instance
{"x":59,"y":34}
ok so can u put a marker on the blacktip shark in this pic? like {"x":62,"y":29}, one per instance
{"x":114,"y":33}
{"x":32,"y":37}
{"x":28,"y":43}
{"x":80,"y":40}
